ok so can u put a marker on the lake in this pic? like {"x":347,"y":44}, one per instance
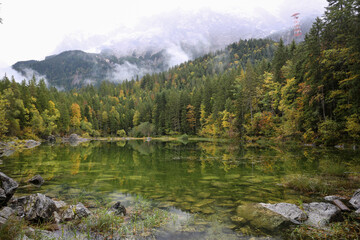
{"x":203,"y":179}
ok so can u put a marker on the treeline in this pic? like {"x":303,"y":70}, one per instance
{"x":251,"y":89}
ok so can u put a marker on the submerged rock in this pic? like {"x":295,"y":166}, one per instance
{"x":355,"y":200}
{"x":288,"y":210}
{"x":8,"y":187}
{"x":321,"y":214}
{"x":36,"y":180}
{"x":263,"y":218}
{"x":36,"y":207}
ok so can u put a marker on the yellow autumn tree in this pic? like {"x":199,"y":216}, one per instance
{"x":75,"y":119}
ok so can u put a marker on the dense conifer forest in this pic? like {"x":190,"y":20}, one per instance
{"x":252,"y":89}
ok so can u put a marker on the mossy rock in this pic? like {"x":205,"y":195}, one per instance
{"x":262,"y":218}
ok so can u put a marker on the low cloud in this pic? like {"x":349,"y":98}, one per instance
{"x":127,"y":71}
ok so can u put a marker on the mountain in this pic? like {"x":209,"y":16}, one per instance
{"x":71,"y":69}
{"x":154,"y":46}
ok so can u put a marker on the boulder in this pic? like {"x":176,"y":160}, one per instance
{"x":118,"y":209}
{"x":288,"y":210}
{"x":7,"y":188}
{"x":36,"y":207}
{"x":260,"y":217}
{"x":36,"y":180}
{"x":75,"y":212}
{"x":355,"y":200}
{"x":320,"y":214}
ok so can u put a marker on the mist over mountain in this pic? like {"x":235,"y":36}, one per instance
{"x":155,"y":45}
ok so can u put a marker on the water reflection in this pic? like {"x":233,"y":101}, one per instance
{"x":207,"y":178}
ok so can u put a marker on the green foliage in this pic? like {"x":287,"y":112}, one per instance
{"x":145,"y":129}
{"x":329,"y":131}
{"x":353,"y":127}
{"x":121,"y":133}
{"x":254,"y":88}
{"x":3,"y":121}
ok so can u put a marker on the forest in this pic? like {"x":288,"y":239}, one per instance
{"x":252,"y":89}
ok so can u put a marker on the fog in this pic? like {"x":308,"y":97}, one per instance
{"x":184,"y":30}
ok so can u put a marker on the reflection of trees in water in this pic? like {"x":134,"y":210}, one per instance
{"x":172,"y":171}
{"x":145,"y":148}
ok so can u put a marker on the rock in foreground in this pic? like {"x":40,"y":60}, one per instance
{"x":355,"y":200}
{"x":8,"y":187}
{"x":321,"y":214}
{"x":263,"y":218}
{"x":36,"y":207}
{"x":287,"y":210}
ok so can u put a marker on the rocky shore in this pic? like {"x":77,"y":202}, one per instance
{"x":38,"y":208}
{"x":275,"y":218}
{"x":8,"y":148}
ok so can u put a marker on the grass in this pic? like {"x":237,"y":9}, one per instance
{"x":348,"y":229}
{"x":12,"y":229}
{"x":323,"y":184}
{"x":141,"y":220}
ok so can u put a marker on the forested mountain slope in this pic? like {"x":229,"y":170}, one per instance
{"x":251,"y":89}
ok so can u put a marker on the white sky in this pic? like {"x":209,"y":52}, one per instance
{"x":33,"y":29}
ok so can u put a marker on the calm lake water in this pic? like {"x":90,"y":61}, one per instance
{"x":203,"y":179}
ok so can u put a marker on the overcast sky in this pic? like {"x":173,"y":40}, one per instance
{"x":33,"y":29}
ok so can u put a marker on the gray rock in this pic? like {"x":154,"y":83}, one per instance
{"x":32,"y":143}
{"x":74,"y":138}
{"x":35,"y":207}
{"x":2,"y":221}
{"x":355,"y":200}
{"x":36,"y":180}
{"x":68,"y":214}
{"x":321,"y":214}
{"x":7,"y":188}
{"x":81,"y":211}
{"x":118,"y":209}
{"x":56,"y":218}
{"x":263,"y":218}
{"x":75,"y":212}
{"x":59,"y":204}
{"x":288,"y":210}
{"x":332,"y":198}
{"x":6,"y":212}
